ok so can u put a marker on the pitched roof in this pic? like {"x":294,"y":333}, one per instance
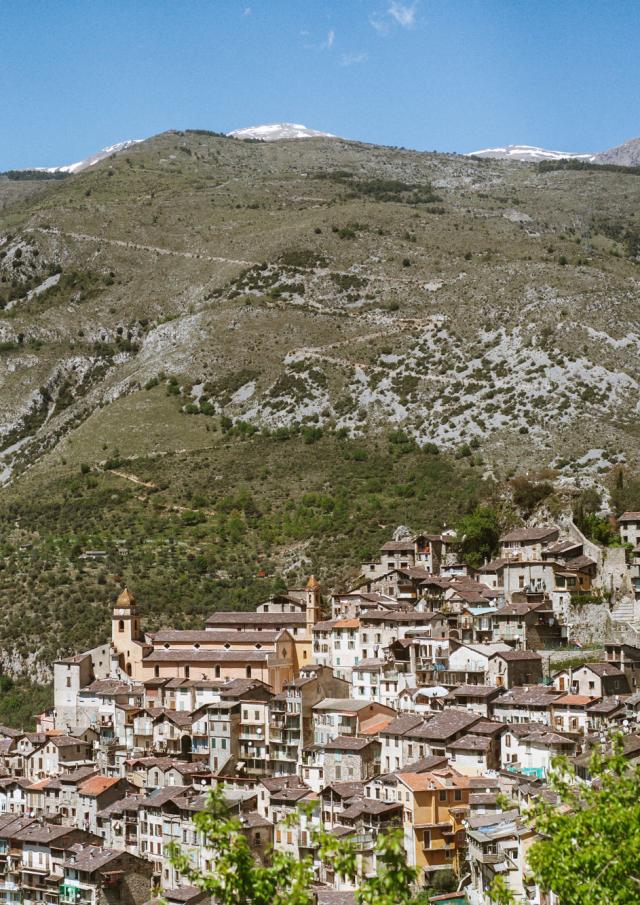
{"x":426,"y":764}
{"x":369,"y":806}
{"x":402,"y":724}
{"x":239,"y":655}
{"x":214,"y":636}
{"x":471,"y":742}
{"x":630,"y":517}
{"x":96,"y":785}
{"x":398,"y":545}
{"x":528,"y":534}
{"x":513,"y":655}
{"x":437,"y":779}
{"x":370,"y":664}
{"x":528,"y":696}
{"x":605,"y":669}
{"x":90,"y":858}
{"x":66,"y":741}
{"x":348,"y":743}
{"x":241,"y":618}
{"x":475,"y":691}
{"x":573,"y":700}
{"x":443,"y":725}
{"x":607,"y":704}
{"x":112,"y":687}
{"x":348,"y":705}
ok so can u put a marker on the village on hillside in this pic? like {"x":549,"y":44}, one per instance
{"x":430,"y":696}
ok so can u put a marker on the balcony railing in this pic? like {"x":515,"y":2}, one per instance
{"x":74,"y":895}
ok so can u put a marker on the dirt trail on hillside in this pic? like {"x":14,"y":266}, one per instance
{"x":155,"y":249}
{"x":202,"y":256}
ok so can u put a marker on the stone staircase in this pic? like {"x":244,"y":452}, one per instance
{"x":623,"y":622}
{"x":624,"y":610}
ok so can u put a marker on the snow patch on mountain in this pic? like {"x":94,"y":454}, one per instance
{"x":278,"y":131}
{"x":93,"y":159}
{"x":528,"y":153}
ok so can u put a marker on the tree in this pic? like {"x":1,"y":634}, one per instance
{"x":527,"y":495}
{"x":590,"y":850}
{"x":479,"y":533}
{"x":239,"y":879}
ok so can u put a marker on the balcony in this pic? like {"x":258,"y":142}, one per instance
{"x":364,"y":842}
{"x":74,"y":895}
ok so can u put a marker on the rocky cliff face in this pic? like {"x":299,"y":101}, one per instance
{"x":625,"y":155}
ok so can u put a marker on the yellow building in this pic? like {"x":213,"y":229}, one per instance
{"x":126,"y":636}
{"x":434,"y":806}
{"x":271,"y":655}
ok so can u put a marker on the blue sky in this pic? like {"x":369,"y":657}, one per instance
{"x":76,"y":75}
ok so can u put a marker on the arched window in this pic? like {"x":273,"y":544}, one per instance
{"x":248,"y":672}
{"x":156,"y":671}
{"x":121,"y":625}
{"x":217,"y":672}
{"x":186,"y":672}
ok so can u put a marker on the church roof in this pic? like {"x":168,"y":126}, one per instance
{"x":126,"y":598}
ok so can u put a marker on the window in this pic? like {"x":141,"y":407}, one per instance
{"x":457,"y":795}
{"x":121,"y":625}
{"x":248,"y":672}
{"x":156,"y":671}
{"x":68,"y":681}
{"x":186,"y":672}
{"x":442,"y":795}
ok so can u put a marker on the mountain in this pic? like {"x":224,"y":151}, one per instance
{"x":528,"y":153}
{"x":278,"y":131}
{"x":627,"y":154}
{"x":223,"y":362}
{"x":93,"y":159}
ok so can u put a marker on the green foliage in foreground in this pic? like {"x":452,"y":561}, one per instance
{"x":590,"y":851}
{"x":238,"y":879}
{"x":590,"y":846}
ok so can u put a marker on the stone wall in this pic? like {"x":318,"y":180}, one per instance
{"x":589,"y":623}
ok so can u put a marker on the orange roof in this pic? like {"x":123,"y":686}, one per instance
{"x":38,"y":785}
{"x":347,"y":623}
{"x":375,"y":724}
{"x":575,"y":699}
{"x":96,"y":785}
{"x":440,"y":779}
